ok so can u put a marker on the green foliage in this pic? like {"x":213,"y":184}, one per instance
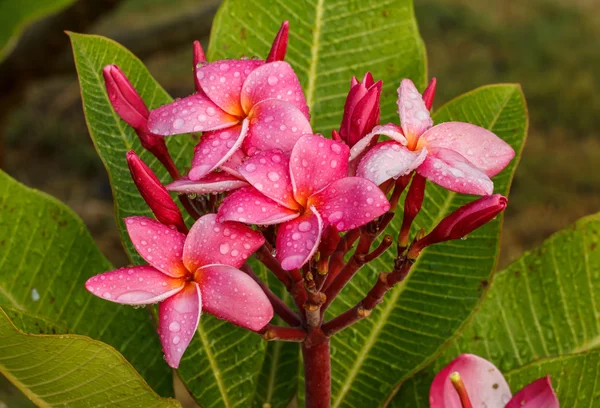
{"x":47,"y":255}
{"x":543,"y":305}
{"x":72,"y":371}
{"x":16,"y":15}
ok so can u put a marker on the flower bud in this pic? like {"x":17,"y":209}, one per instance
{"x":154,"y":193}
{"x":429,"y":94}
{"x":461,"y":222}
{"x":361,"y":111}
{"x":279,"y":47}
{"x":198,"y":59}
{"x":412,"y":206}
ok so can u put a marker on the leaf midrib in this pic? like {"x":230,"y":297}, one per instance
{"x":213,"y":365}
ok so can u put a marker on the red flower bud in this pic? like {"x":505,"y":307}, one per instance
{"x":429,"y":94}
{"x":124,"y":98}
{"x":154,"y":193}
{"x":463,"y":221}
{"x":361,"y":111}
{"x":412,"y":206}
{"x":279,"y":47}
{"x":199,"y":58}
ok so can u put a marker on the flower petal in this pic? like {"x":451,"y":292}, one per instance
{"x":222,"y":82}
{"x":275,"y":125}
{"x":414,"y":115}
{"x":538,"y":394}
{"x":250,"y":206}
{"x":452,"y":171}
{"x":178,"y":320}
{"x":215,"y":148}
{"x":388,"y":160}
{"x":390,"y":130}
{"x":269,"y":173}
{"x":233,"y":164}
{"x":232,"y":295}
{"x":316,"y":162}
{"x":228,"y":243}
{"x":481,"y":147}
{"x":298,"y":240}
{"x":137,"y":285}
{"x":215,"y":182}
{"x":350,"y":202}
{"x":195,"y":113}
{"x":275,"y":80}
{"x":158,"y":244}
{"x":484,"y":383}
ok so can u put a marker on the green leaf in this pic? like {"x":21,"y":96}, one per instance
{"x":72,"y":371}
{"x":46,"y":257}
{"x":544,"y":304}
{"x":16,"y":15}
{"x":330,"y":40}
{"x":222,"y":363}
{"x":419,"y":317}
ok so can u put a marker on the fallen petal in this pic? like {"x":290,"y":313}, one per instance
{"x":414,"y":115}
{"x":481,"y":147}
{"x":195,"y":113}
{"x":215,"y":182}
{"x":250,"y":206}
{"x":232,"y":295}
{"x":228,"y":243}
{"x":178,"y":320}
{"x":349,"y":203}
{"x":388,"y":160}
{"x":298,"y":240}
{"x":159,"y":245}
{"x":136,"y":285}
{"x":484,"y":383}
{"x":538,"y":394}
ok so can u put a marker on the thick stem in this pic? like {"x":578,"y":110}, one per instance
{"x":317,"y":371}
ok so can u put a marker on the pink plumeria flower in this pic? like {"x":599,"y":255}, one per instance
{"x":246,"y":105}
{"x":188,"y":274}
{"x":458,"y":156}
{"x":304,"y":192}
{"x":483,"y":385}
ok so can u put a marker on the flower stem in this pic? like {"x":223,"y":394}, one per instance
{"x":317,"y":370}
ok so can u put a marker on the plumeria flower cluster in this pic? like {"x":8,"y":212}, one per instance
{"x":309,"y":208}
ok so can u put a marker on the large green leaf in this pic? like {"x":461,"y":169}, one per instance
{"x":223,"y":362}
{"x":16,"y":15}
{"x":420,"y":316}
{"x":47,"y":255}
{"x":330,"y":40}
{"x":542,"y":305}
{"x":72,"y":371}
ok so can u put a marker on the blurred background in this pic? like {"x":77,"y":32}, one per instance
{"x":552,"y":47}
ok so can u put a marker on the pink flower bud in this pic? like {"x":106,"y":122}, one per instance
{"x":279,"y":47}
{"x":463,"y":221}
{"x":154,"y":193}
{"x":412,"y":206}
{"x":361,"y":111}
{"x":124,"y":98}
{"x":199,"y":58}
{"x":429,"y":94}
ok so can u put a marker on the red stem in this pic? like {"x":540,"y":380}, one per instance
{"x":317,"y":370}
{"x":294,"y":334}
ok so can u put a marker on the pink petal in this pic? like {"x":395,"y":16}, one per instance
{"x":215,"y":182}
{"x":390,"y":130}
{"x":195,"y":113}
{"x":232,"y":295}
{"x":414,"y":115}
{"x":538,"y":394}
{"x":484,"y":383}
{"x":275,"y":80}
{"x":481,"y":147}
{"x":452,"y":171}
{"x":228,"y":243}
{"x":158,"y":244}
{"x":269,"y":173}
{"x":215,"y":148}
{"x":298,"y":240}
{"x":388,"y":160}
{"x":275,"y":125}
{"x":233,"y":164}
{"x":250,"y":206}
{"x":222,"y":82}
{"x":316,"y":162}
{"x":365,"y":115}
{"x":137,"y":285}
{"x":349,"y":203}
{"x":178,"y":320}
